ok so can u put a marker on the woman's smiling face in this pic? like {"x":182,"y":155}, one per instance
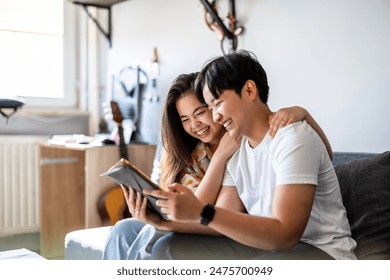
{"x":198,"y":121}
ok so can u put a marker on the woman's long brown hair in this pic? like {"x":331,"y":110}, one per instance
{"x":177,"y":143}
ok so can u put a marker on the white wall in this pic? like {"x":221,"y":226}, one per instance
{"x":331,"y":57}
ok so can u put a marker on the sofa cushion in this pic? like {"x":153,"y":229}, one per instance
{"x":365,"y":188}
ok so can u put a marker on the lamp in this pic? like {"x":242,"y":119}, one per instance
{"x":9,"y":106}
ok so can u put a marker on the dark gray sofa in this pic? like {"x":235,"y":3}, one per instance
{"x":365,"y":187}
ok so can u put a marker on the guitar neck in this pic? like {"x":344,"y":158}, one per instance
{"x":122,"y":145}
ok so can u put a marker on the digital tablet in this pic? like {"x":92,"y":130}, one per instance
{"x":127,"y":174}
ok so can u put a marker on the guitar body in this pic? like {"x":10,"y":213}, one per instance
{"x":112,"y":206}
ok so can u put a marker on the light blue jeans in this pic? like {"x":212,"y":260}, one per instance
{"x":130,"y":239}
{"x":133,"y":240}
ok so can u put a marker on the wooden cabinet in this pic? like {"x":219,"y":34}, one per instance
{"x":71,"y":186}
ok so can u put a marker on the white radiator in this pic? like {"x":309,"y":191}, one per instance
{"x":19,"y":184}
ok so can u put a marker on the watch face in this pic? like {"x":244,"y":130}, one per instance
{"x":207,"y":214}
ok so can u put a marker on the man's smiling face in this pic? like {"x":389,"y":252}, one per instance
{"x":225,"y":110}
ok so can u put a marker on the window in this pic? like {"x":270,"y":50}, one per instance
{"x":36,"y":58}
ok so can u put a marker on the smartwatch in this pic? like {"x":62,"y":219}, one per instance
{"x":207,"y":214}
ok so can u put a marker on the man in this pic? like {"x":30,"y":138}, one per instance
{"x":286,"y":183}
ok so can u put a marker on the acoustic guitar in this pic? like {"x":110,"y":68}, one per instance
{"x":112,"y":206}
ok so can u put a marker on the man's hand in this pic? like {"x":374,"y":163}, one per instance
{"x":179,"y":203}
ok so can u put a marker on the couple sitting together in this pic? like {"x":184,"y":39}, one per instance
{"x":270,"y":190}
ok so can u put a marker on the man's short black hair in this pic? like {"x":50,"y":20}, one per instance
{"x":230,"y":72}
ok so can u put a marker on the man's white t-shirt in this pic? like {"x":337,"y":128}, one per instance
{"x":296,"y":155}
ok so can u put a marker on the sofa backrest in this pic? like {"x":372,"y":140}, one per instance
{"x":365,"y":189}
{"x":342,"y":157}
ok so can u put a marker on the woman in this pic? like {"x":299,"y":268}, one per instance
{"x":190,"y":138}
